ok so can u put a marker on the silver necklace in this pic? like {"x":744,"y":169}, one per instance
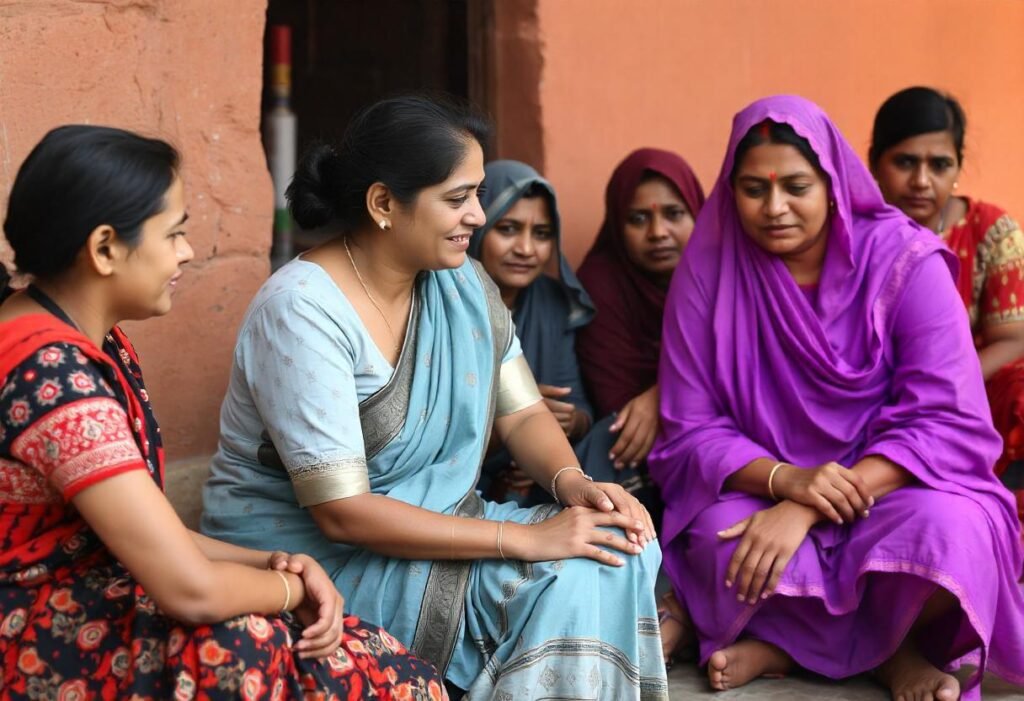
{"x":394,"y":336}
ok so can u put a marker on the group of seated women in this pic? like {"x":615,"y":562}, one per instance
{"x":791,"y":377}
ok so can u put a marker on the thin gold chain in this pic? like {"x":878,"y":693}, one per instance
{"x":394,"y":337}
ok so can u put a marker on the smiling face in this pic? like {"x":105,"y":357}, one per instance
{"x":782,"y":202}
{"x":658,"y":224}
{"x":435,"y":228}
{"x":146,"y":274}
{"x":519,"y":245}
{"x":918,"y":174}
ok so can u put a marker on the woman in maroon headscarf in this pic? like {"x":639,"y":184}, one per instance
{"x":651,"y":203}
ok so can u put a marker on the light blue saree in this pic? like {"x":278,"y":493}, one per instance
{"x":304,"y":423}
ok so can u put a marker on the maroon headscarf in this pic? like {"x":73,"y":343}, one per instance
{"x":619,"y":349}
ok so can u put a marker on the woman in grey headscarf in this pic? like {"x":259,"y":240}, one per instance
{"x":520,"y":247}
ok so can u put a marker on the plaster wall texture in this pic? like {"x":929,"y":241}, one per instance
{"x":190,"y":72}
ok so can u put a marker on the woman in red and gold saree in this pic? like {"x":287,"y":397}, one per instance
{"x":916,"y":156}
{"x":82,"y":613}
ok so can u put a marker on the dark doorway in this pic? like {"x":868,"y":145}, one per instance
{"x":348,"y":53}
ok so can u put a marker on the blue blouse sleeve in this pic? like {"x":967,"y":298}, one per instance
{"x":299,"y":365}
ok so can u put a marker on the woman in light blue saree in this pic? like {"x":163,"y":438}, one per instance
{"x":367,"y":376}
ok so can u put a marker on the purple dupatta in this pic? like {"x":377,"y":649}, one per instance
{"x":751,"y":367}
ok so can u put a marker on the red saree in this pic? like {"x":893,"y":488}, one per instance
{"x":990,"y":247}
{"x":74,"y":623}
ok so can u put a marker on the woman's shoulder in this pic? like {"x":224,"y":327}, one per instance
{"x":549,"y":287}
{"x":59,"y":356}
{"x":983,"y":216}
{"x":596,"y":265}
{"x":300,"y":289}
{"x":299,"y":278}
{"x":53,"y":375}
{"x":998,"y":236}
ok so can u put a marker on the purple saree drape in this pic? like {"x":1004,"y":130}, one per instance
{"x":879,"y":362}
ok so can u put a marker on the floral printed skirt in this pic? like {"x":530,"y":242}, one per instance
{"x":97,"y":635}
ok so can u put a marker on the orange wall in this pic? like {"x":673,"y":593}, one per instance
{"x":672,"y":73}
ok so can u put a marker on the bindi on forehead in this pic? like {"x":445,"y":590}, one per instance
{"x":773,"y":176}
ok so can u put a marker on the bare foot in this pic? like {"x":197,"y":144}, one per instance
{"x":910,"y":677}
{"x":738,"y":664}
{"x":676,"y":631}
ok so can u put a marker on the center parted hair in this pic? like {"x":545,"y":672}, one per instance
{"x":770,"y":132}
{"x":78,"y":178}
{"x":408,"y":143}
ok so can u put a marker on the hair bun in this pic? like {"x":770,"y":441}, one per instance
{"x":312,"y":192}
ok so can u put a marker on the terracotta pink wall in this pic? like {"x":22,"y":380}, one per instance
{"x":672,"y":73}
{"x":188,"y":71}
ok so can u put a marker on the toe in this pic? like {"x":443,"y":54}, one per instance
{"x":714,"y":678}
{"x":716,"y":670}
{"x":947,"y":692}
{"x":718,"y":661}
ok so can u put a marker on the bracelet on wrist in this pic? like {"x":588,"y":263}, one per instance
{"x":554,"y":481}
{"x":287,"y":590}
{"x":771,"y":477}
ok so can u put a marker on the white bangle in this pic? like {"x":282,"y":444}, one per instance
{"x":287,"y":590}
{"x":554,"y":481}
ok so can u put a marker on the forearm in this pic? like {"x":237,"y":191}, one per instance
{"x":881,"y":475}
{"x":219,"y":551}
{"x":539,"y":446}
{"x":999,"y":353}
{"x":396,"y":529}
{"x":229,"y":589}
{"x":752,"y":478}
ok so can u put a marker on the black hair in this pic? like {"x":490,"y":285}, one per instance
{"x":771,"y":132}
{"x":408,"y":143}
{"x":535,"y":190}
{"x":915,"y":111}
{"x":80,"y":177}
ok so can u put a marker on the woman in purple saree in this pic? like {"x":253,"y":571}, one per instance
{"x":826,"y":445}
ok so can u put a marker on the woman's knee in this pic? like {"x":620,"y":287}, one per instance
{"x":722,"y":515}
{"x":923,"y":508}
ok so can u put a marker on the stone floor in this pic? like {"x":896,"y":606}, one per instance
{"x":184,"y":484}
{"x":685,"y":681}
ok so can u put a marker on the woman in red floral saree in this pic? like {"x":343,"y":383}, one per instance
{"x":103,"y":591}
{"x":916,"y":155}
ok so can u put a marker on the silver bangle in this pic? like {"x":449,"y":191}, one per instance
{"x":554,"y":480}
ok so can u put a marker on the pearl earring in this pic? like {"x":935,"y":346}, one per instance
{"x":383,"y":223}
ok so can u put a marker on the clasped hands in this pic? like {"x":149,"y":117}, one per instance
{"x":770,"y":537}
{"x":582,"y":529}
{"x":321,"y":612}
